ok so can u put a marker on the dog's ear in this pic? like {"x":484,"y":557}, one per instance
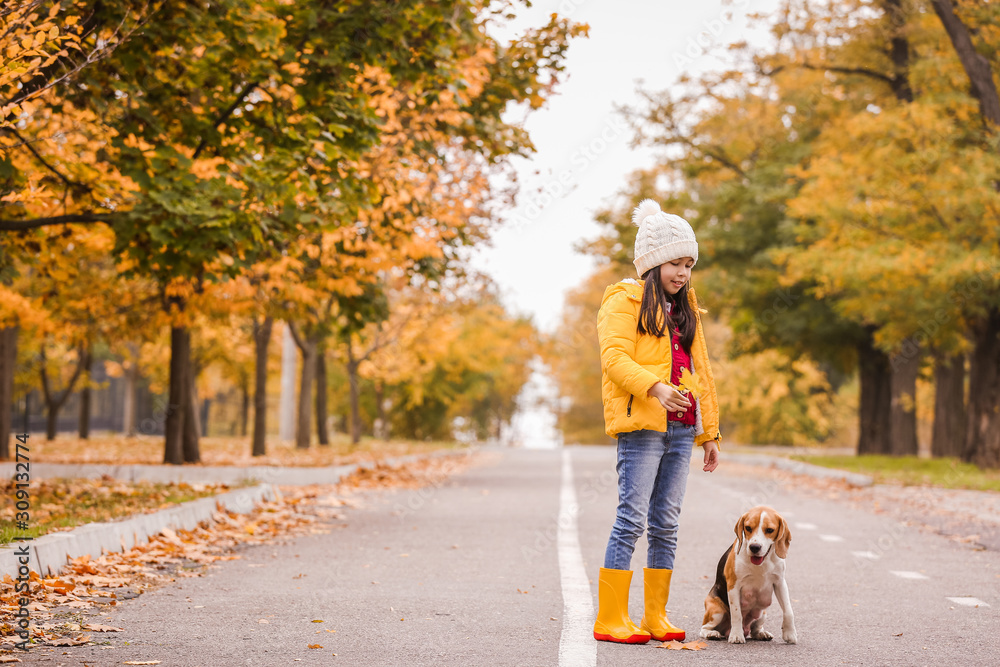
{"x":740,"y":529}
{"x":783,"y":539}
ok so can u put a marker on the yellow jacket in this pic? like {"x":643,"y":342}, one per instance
{"x":631,"y":364}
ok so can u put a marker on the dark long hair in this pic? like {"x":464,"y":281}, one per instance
{"x":651,"y":320}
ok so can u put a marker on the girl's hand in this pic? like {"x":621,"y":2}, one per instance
{"x":711,"y":456}
{"x":671,"y":399}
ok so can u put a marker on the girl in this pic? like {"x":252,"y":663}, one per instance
{"x":659,"y":401}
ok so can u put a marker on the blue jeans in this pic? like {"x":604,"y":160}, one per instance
{"x":652,"y":477}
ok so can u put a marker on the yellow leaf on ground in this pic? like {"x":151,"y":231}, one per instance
{"x":315,"y":646}
{"x":675,"y":645}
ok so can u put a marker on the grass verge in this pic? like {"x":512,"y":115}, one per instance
{"x":61,"y":504}
{"x":948,"y":473}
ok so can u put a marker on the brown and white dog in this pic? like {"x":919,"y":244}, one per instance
{"x":752,"y":567}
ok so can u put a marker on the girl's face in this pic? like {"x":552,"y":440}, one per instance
{"x":675,"y":273}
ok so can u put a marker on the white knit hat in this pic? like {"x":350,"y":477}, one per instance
{"x":662,"y":237}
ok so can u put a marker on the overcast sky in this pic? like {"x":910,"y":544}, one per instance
{"x":583,"y":155}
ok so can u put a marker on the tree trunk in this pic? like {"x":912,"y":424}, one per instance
{"x":876,"y":398}
{"x":53,"y":400}
{"x":899,"y":50}
{"x":321,"y":429}
{"x":949,"y":405}
{"x":262,"y":338}
{"x":976,"y":66}
{"x":88,"y":363}
{"x":352,"y":376}
{"x":382,"y":430}
{"x":303,"y":426}
{"x":131,"y":387}
{"x":192,"y":419}
{"x":180,"y":347}
{"x":8,"y":359}
{"x":903,"y":417}
{"x":982,"y":438}
{"x":244,"y":406}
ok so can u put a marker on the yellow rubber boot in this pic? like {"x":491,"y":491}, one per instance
{"x":654,"y":620}
{"x":613,"y":623}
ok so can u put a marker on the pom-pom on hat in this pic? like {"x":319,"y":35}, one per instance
{"x":662,"y":237}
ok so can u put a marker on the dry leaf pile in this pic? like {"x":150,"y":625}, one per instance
{"x":411,"y":475}
{"x":90,"y":584}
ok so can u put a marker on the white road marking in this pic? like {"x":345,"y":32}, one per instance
{"x":905,"y":574}
{"x":870,"y":555}
{"x":969,"y":602}
{"x":831,"y":538}
{"x":577,"y":645}
{"x":805,"y":526}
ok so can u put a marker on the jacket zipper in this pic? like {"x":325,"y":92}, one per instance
{"x":629,"y":412}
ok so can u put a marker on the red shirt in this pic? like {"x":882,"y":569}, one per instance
{"x":681,"y":361}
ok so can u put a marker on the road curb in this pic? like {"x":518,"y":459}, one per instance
{"x":196,"y":473}
{"x":800,"y":468}
{"x":49,"y":553}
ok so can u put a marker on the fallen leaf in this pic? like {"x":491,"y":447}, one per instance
{"x":10,"y":658}
{"x":142,"y":662}
{"x":696,"y":645}
{"x":69,"y":641}
{"x":315,"y":646}
{"x":97,"y":627}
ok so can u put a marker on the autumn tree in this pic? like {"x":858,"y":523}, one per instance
{"x":226,"y":128}
{"x":979,"y":61}
{"x":429,"y":181}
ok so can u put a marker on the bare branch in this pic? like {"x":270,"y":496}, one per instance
{"x":45,"y":163}
{"x":225,"y":115}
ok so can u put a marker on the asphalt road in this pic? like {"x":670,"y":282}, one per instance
{"x":473,"y":572}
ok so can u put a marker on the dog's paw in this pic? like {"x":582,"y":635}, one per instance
{"x":762,"y":635}
{"x":710,"y":634}
{"x":788,"y":634}
{"x":736,"y":637}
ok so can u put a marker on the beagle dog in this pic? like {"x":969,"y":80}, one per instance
{"x":752,"y":567}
